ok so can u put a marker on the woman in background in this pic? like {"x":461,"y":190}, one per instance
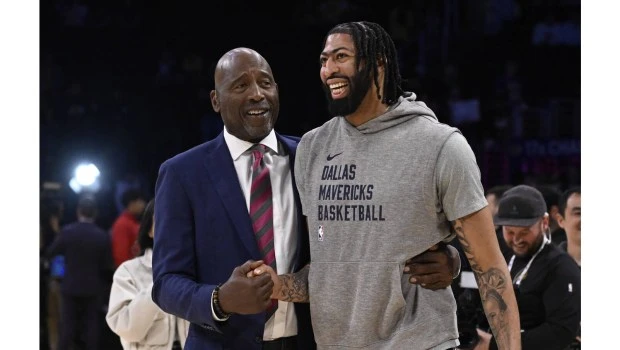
{"x":132,"y":314}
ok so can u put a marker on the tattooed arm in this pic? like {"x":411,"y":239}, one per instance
{"x":477,"y":236}
{"x":292,"y":287}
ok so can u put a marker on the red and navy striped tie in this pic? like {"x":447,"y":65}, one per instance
{"x":261,"y":212}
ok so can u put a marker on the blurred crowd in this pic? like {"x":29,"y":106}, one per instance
{"x":77,"y":262}
{"x":79,"y":258}
{"x":539,"y":233}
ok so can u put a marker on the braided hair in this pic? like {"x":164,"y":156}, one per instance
{"x":373,"y":43}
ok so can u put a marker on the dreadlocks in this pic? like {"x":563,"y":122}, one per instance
{"x":373,"y":43}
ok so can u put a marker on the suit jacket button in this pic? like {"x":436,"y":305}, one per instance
{"x":258,"y":340}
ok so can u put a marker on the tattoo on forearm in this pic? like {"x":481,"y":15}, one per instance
{"x":295,"y":286}
{"x":491,"y":284}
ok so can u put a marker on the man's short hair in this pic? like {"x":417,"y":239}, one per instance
{"x":87,"y":206}
{"x":551,"y":194}
{"x":131,"y":195}
{"x":565,"y":196}
{"x":498,"y":190}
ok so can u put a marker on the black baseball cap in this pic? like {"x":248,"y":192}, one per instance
{"x":520,"y":206}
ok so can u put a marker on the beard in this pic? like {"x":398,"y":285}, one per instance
{"x":359,"y":85}
{"x":533,"y":248}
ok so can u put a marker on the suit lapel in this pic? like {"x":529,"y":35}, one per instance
{"x":221,"y":171}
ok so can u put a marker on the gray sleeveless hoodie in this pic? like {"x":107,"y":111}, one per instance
{"x":374,"y":198}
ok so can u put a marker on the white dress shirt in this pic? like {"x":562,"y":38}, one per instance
{"x":283,"y":323}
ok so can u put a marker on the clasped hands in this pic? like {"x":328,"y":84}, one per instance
{"x":251,"y":286}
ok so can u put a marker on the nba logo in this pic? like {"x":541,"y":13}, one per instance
{"x":320,"y":233}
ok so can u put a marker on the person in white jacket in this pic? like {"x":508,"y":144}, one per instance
{"x":132,"y":314}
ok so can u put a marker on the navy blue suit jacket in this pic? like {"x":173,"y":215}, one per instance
{"x":202,"y":232}
{"x":88,"y":259}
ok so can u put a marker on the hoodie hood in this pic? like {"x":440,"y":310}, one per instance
{"x":405,"y":109}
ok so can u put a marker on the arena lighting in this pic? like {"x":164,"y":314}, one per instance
{"x":86,"y":178}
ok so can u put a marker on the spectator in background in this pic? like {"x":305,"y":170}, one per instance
{"x":494,"y":194}
{"x":547,"y":281}
{"x":125,"y":228}
{"x":132,"y":314}
{"x":49,"y":286}
{"x":569,"y":219}
{"x":50,"y":216}
{"x":129,"y":181}
{"x":88,"y":270}
{"x":552,"y":199}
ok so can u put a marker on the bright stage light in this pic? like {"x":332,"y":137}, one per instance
{"x":86,"y":174}
{"x":86,"y":178}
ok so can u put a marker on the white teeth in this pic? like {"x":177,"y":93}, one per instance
{"x":257,"y":111}
{"x":337,"y":85}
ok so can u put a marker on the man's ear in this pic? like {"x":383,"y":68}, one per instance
{"x":554,"y":211}
{"x":560,"y":219}
{"x":545,"y":222}
{"x":215,"y":102}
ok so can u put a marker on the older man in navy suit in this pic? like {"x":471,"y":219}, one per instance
{"x":230,"y":203}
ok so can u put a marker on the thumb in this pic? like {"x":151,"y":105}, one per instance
{"x":433,"y":248}
{"x":248,"y":266}
{"x":256,"y":264}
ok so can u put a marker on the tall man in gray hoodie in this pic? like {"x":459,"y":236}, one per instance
{"x":383,"y":166}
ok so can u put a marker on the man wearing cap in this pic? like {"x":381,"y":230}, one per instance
{"x":546,"y":280}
